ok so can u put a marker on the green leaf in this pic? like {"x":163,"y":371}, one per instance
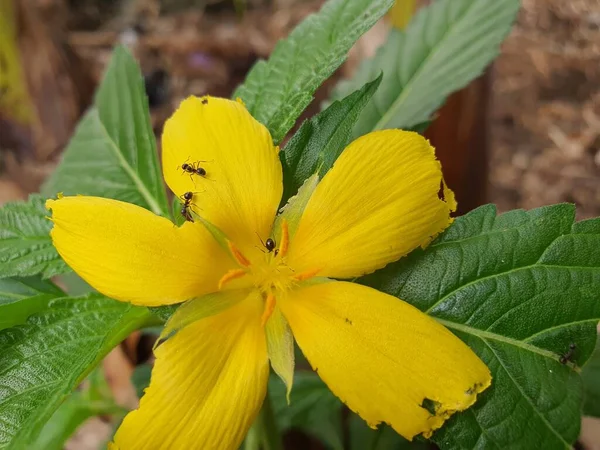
{"x":141,"y":378}
{"x":320,"y":140}
{"x":313,"y":408}
{"x":591,"y":383}
{"x":74,"y":285}
{"x":362,"y":437}
{"x":178,"y":218}
{"x":445,"y":46}
{"x":518,"y":288}
{"x":13,"y":290}
{"x":46,"y":358}
{"x":25,"y":245}
{"x":81,"y":405}
{"x":277,"y":91}
{"x":21,"y":297}
{"x":113,"y":152}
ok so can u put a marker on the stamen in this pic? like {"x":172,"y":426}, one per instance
{"x":269,"y":308}
{"x":231,"y":275}
{"x":306,"y":275}
{"x":237,"y":254}
{"x":285,"y":238}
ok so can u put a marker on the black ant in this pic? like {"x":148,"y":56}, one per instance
{"x":269,"y":244}
{"x":185,"y":207}
{"x":193,"y":169}
{"x":564,"y":359}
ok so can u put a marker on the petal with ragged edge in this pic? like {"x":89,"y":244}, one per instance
{"x":242,"y":187}
{"x":379,"y":202}
{"x":130,"y":254}
{"x":384,"y":358}
{"x":207,"y":386}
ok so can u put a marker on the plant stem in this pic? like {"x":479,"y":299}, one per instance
{"x":270,"y":437}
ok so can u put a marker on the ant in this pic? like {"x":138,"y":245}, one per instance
{"x":269,"y":244}
{"x":193,"y":169}
{"x":564,"y":359}
{"x":186,"y":206}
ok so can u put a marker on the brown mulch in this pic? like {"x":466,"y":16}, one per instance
{"x":546,"y":112}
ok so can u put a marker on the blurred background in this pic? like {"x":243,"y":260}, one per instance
{"x":525,"y":134}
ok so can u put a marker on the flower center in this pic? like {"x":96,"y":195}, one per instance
{"x":267,"y":271}
{"x":271,"y":275}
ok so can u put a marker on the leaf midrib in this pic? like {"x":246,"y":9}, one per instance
{"x":139,"y":184}
{"x":380,"y":125}
{"x":526,"y":397}
{"x":484,"y":334}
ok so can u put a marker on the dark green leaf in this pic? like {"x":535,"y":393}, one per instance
{"x":21,"y":297}
{"x":518,"y":288}
{"x":445,"y":46}
{"x":141,"y":378}
{"x":321,"y":139}
{"x":362,"y":437}
{"x":591,"y":384}
{"x":25,"y":245}
{"x":113,"y":152}
{"x":75,"y":410}
{"x":313,"y":408}
{"x":277,"y":91}
{"x":46,"y":358}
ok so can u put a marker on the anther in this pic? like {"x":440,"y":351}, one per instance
{"x":306,"y":275}
{"x":231,"y":275}
{"x":269,"y":308}
{"x":237,"y":254}
{"x":285,"y":238}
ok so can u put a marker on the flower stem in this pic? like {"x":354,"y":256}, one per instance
{"x":264,"y":433}
{"x":271,"y":438}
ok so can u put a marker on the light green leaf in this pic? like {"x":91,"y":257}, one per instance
{"x":518,"y":288}
{"x":445,"y":46}
{"x":591,"y":383}
{"x":21,"y":297}
{"x":312,"y":408}
{"x":320,"y":140}
{"x":25,"y":245}
{"x":46,"y":358}
{"x":113,"y":152}
{"x":178,"y":218}
{"x":277,"y":91}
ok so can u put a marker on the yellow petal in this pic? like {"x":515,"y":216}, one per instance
{"x":208,"y":384}
{"x":378,"y":203}
{"x":133,"y":255}
{"x":280,"y":346}
{"x":242,"y":187}
{"x":383,"y":357}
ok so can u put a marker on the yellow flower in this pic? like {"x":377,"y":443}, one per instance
{"x":251,"y":279}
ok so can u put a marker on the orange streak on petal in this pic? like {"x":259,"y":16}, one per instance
{"x":306,"y":275}
{"x":231,"y":275}
{"x":237,"y":254}
{"x":269,"y":308}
